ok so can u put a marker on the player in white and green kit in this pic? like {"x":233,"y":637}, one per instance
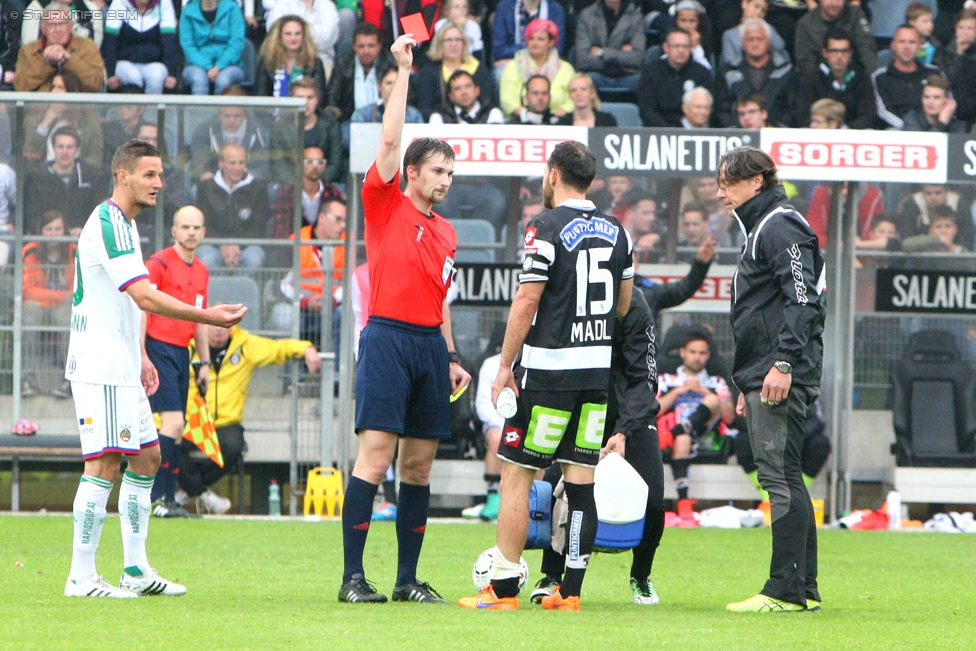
{"x":111,"y":376}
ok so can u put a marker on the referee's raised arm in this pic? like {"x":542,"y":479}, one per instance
{"x":388,"y":156}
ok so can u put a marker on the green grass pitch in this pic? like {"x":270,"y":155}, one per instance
{"x":272,"y":584}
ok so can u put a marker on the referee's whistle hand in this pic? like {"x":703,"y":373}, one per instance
{"x":459,"y":378}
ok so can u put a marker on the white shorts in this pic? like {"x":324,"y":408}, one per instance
{"x":113,"y":419}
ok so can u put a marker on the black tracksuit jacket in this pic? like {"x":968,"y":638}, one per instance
{"x":632,"y":406}
{"x":778,"y":294}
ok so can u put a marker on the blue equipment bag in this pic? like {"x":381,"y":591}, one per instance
{"x":540,"y":516}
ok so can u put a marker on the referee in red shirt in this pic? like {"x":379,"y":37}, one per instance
{"x":177,"y":272}
{"x":407,"y":368}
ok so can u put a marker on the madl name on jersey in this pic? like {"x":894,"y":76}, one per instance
{"x":579,"y":229}
{"x":592,"y":330}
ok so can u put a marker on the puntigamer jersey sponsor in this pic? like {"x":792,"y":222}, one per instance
{"x":581,"y":255}
{"x":104,"y":346}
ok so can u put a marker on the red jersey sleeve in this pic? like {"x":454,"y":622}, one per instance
{"x":156,"y":269}
{"x":380,"y":199}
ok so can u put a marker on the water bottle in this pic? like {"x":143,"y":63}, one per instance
{"x":507,"y":405}
{"x":894,"y":510}
{"x":274,"y":499}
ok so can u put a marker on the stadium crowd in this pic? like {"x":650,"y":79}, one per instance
{"x":682,"y":64}
{"x":687,"y":64}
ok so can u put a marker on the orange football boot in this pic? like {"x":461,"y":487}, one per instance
{"x":488,"y":601}
{"x":555,"y":601}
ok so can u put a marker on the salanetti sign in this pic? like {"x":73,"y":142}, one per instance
{"x":942,"y":292}
{"x":664,"y":152}
{"x":486,"y":284}
{"x":962,"y":157}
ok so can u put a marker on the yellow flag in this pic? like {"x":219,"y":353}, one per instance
{"x":201,"y":431}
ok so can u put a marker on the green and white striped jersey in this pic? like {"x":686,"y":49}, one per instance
{"x":105,"y":322}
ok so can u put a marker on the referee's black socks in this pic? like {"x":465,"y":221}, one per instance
{"x":357,"y":511}
{"x":411,"y":524}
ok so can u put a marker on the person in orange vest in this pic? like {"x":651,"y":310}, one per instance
{"x":49,"y":272}
{"x":331,"y":225}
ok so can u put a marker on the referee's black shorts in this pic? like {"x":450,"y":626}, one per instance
{"x":403,"y":381}
{"x":173,"y":367}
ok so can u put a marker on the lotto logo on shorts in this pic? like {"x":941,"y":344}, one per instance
{"x":513,"y":437}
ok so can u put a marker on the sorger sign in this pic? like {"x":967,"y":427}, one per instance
{"x":854,"y":155}
{"x":496,"y":150}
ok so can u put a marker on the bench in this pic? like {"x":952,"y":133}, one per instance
{"x":465,"y":479}
{"x":934,"y":485}
{"x":40,"y":447}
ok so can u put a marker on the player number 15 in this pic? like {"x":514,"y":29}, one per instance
{"x":588,"y":270}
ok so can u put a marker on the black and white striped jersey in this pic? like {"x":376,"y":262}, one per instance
{"x":582,"y":255}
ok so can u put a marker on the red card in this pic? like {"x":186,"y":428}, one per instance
{"x":414,"y":24}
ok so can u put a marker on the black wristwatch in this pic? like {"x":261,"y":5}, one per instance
{"x":454,"y":357}
{"x":783,"y":367}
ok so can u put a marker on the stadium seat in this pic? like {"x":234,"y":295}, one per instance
{"x":249,"y":63}
{"x":627,"y":114}
{"x":274,"y":187}
{"x":193,"y":117}
{"x":470,"y":234}
{"x":653,"y":53}
{"x":465,"y":328}
{"x":238,"y":289}
{"x":323,"y":491}
{"x":884,"y":58}
{"x":934,"y":396}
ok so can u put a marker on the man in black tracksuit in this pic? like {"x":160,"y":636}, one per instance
{"x":837,"y":77}
{"x":778,"y":313}
{"x":632,"y":411}
{"x":898,"y":87}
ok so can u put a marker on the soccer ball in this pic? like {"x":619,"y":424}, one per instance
{"x":481,"y":573}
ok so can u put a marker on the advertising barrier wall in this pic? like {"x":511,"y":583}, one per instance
{"x":857,"y":155}
{"x":962,"y":157}
{"x":664,"y":152}
{"x":494,"y":285}
{"x":801,"y":154}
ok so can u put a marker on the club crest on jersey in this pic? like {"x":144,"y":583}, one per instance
{"x":579,"y":229}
